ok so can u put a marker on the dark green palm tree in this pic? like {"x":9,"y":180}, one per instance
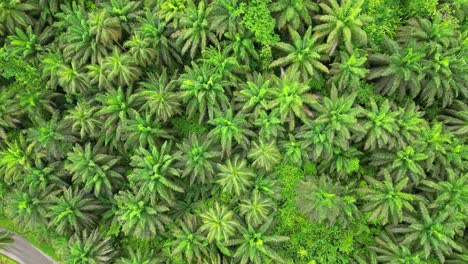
{"x":97,"y":171}
{"x":342,"y":24}
{"x":89,"y":248}
{"x":195,"y":33}
{"x":189,"y":242}
{"x":15,"y":157}
{"x":197,"y":158}
{"x":82,"y":118}
{"x":269,"y":124}
{"x":387,"y":200}
{"x":73,"y":211}
{"x":5,"y":239}
{"x":253,"y":247}
{"x":73,"y":79}
{"x":139,"y":256}
{"x":14,"y":14}
{"x":256,"y":209}
{"x":455,"y":118}
{"x":241,"y":46}
{"x":140,"y":48}
{"x":106,"y":28}
{"x":392,"y":252}
{"x":140,"y":214}
{"x":303,"y":55}
{"x":225,"y":16}
{"x":218,"y":223}
{"x":142,"y":131}
{"x":296,"y":151}
{"x":292,"y":13}
{"x":347,"y":73}
{"x":432,"y":232}
{"x":121,"y":67}
{"x":253,"y":95}
{"x":153,"y":172}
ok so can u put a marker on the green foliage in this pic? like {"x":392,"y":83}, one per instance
{"x":90,"y":248}
{"x":258,"y":19}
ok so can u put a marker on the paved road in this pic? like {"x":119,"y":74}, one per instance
{"x":25,"y":253}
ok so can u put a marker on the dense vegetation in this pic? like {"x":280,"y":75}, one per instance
{"x":235,"y":131}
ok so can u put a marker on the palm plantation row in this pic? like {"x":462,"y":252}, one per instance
{"x":206,"y":131}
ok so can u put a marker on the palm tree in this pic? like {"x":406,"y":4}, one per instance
{"x":225,"y":16}
{"x":197,"y":158}
{"x":303,"y":55}
{"x":397,"y":70}
{"x":228,"y":128}
{"x":29,"y":205}
{"x":189,"y":242}
{"x":99,"y":172}
{"x":269,"y":124}
{"x":455,"y":118}
{"x":73,"y":211}
{"x":256,"y":209}
{"x":98,"y":75}
{"x":126,"y":12}
{"x":142,"y":131}
{"x":218,"y":223}
{"x":347,"y":73}
{"x":234,"y":176}
{"x":139,"y":256}
{"x":326,"y":201}
{"x":9,"y":112}
{"x":241,"y":45}
{"x":107,"y":29}
{"x":153,"y":171}
{"x":432,"y":232}
{"x":195,"y":30}
{"x":27,"y":44}
{"x":386,"y":199}
{"x":253,"y":95}
{"x":404,"y":161}
{"x":43,"y":174}
{"x":121,"y":67}
{"x":253,"y":247}
{"x":295,"y":151}
{"x":203,"y":91}
{"x":342,"y":24}
{"x":14,"y":13}
{"x":89,"y":248}
{"x":339,"y":118}
{"x":317,"y":136}
{"x":139,"y":214}
{"x":264,"y":155}
{"x":73,"y":79}
{"x":381,"y":126}
{"x":159,"y":96}
{"x":140,"y":48}
{"x":5,"y":239}
{"x":292,"y":13}
{"x":391,"y":252}
{"x":82,"y":118}
{"x":16,"y":156}
{"x":290,"y":97}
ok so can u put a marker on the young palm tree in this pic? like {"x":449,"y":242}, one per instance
{"x":203,"y":91}
{"x":317,"y":135}
{"x":386,"y":199}
{"x":290,"y":97}
{"x":432,"y":232}
{"x":5,"y":239}
{"x":97,"y":171}
{"x":189,"y":241}
{"x":159,"y":96}
{"x":197,"y":158}
{"x":229,"y":128}
{"x":269,"y":125}
{"x":295,"y":151}
{"x":218,"y":223}
{"x":399,"y":70}
{"x":27,"y":44}
{"x":325,"y":201}
{"x":347,"y":73}
{"x":235,"y":176}
{"x":73,"y":211}
{"x":195,"y":30}
{"x":303,"y":55}
{"x":140,"y":214}
{"x":292,"y":13}
{"x":253,"y":247}
{"x":42,"y":174}
{"x":153,"y":171}
{"x":89,"y":248}
{"x":256,"y":209}
{"x":342,"y":24}
{"x":264,"y":155}
{"x":381,"y":126}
